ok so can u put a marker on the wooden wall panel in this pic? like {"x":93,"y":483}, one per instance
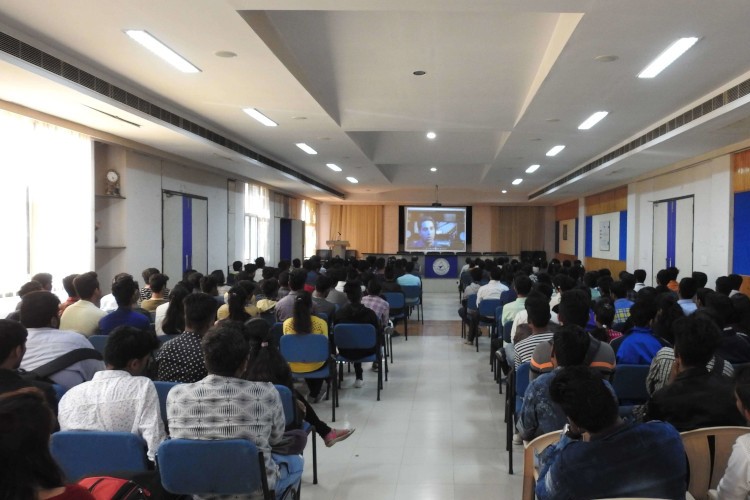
{"x":741,"y":171}
{"x":593,"y":264}
{"x":564,"y":256}
{"x":614,"y":200}
{"x":567,"y":210}
{"x":516,"y":228}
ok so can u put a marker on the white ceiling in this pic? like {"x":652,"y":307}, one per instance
{"x":506,"y":80}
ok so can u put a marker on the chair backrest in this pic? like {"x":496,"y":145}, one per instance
{"x":99,"y":342}
{"x":95,"y":453}
{"x":269,"y":316}
{"x":354,"y":336}
{"x":305,"y":348}
{"x":498,"y":314}
{"x":277,"y":331}
{"x":630,"y":383}
{"x":287,"y":401}
{"x":708,"y":452}
{"x":521,"y":382}
{"x":487,"y":307}
{"x":60,"y":390}
{"x":166,"y":338}
{"x":507,"y":328}
{"x":396,"y":300}
{"x":412,"y":293}
{"x":202,"y":467}
{"x":162,"y":390}
{"x":531,"y":449}
{"x":471,"y":302}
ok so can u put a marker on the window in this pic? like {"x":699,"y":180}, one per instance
{"x":257,"y":215}
{"x":310,"y":216}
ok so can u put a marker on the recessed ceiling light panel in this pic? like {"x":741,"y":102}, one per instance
{"x":260,"y":117}
{"x":433,"y":169}
{"x":593,"y":120}
{"x":431,"y":135}
{"x":333,"y":167}
{"x":352,"y":180}
{"x":667,"y":57}
{"x":555,"y":150}
{"x":307,"y":149}
{"x":161,"y":50}
{"x":517,"y":182}
{"x":532,"y":169}
{"x":504,"y":191}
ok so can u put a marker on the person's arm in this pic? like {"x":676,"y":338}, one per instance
{"x":149,"y":421}
{"x":735,"y":485}
{"x":528,"y":423}
{"x":550,"y":485}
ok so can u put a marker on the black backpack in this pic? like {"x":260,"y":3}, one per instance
{"x":42,"y":373}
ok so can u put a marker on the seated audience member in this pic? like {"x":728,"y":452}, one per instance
{"x":108,"y":303}
{"x":157,"y":284}
{"x":604,"y":316}
{"x":70,"y":289}
{"x":539,"y":415}
{"x":323,"y":286}
{"x":629,"y":281}
{"x":338,"y":279}
{"x":45,"y":343}
{"x":733,"y":347}
{"x":236,"y":268}
{"x":640,"y":279}
{"x":409,"y":278}
{"x":285,"y":306}
{"x":31,"y":286}
{"x":221,"y":281}
{"x":574,"y":310}
{"x":622,"y":305}
{"x":125,"y":291}
{"x":284,"y":289}
{"x":145,"y":293}
{"x":723,"y":285}
{"x":735,"y":484}
{"x":170,"y":317}
{"x":492,"y":290}
{"x":701,"y":279}
{"x":29,"y":471}
{"x":639,"y":345}
{"x":44,"y":279}
{"x":266,"y":364}
{"x":118,"y":399}
{"x":181,"y":359}
{"x":522,"y":317}
{"x":378,"y":304}
{"x":471,"y":289}
{"x":619,"y":459}
{"x":269,"y":289}
{"x":687,"y":291}
{"x":388,"y":283}
{"x":260,"y":264}
{"x":672,"y":284}
{"x":238,"y":306}
{"x":696,"y":397}
{"x":735,"y":281}
{"x":193,"y":280}
{"x":210,"y":286}
{"x":304,"y":323}
{"x":83,"y":316}
{"x":537,"y":308}
{"x":356,"y":312}
{"x":222,"y":405}
{"x":741,"y":320}
{"x":12,"y":348}
{"x":522,"y":286}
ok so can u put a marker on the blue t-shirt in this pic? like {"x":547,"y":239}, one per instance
{"x":638,"y":347}
{"x":123,"y":316}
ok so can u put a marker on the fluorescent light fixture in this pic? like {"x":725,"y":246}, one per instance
{"x":517,"y":182}
{"x":352,"y":180}
{"x":532,"y":169}
{"x":307,"y":149}
{"x":433,"y":169}
{"x":333,"y":167}
{"x":668,"y":57}
{"x":431,"y":135}
{"x":504,"y":191}
{"x":555,"y":150}
{"x":260,"y":117}
{"x":593,"y":120}
{"x":161,"y":50}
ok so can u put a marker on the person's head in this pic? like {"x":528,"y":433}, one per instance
{"x":604,"y":283}
{"x":225,"y":349}
{"x":28,"y":287}
{"x":87,"y":286}
{"x":496,"y":274}
{"x":688,"y":288}
{"x":219,"y":276}
{"x":237,"y":266}
{"x":323,"y":285}
{"x":640,"y":275}
{"x":39,"y":309}
{"x":667,"y":312}
{"x":129,"y":349}
{"x":302,"y":312}
{"x":736,"y":281}
{"x":44,"y":279}
{"x":353,"y":292}
{"x":544,"y":289}
{"x":209,"y":285}
{"x":700,"y":279}
{"x":260,"y":262}
{"x":194,"y":280}
{"x":12,"y":344}
{"x":741,"y":320}
{"x":26,"y":423}
{"x":589,"y":279}
{"x":146,"y":274}
{"x":720,"y":308}
{"x":618,"y":290}
{"x":237,"y":298}
{"x":563,"y":282}
{"x":522,"y":285}
{"x":695,"y":340}
{"x":270,"y":288}
{"x":124,"y":290}
{"x":296,"y":263}
{"x":158,"y":282}
{"x":427,"y":230}
{"x":574,"y":308}
{"x":200,"y":309}
{"x":174,"y":321}
{"x":570,"y":344}
{"x":662,"y":277}
{"x":584,"y":398}
{"x":373,"y":287}
{"x":604,"y":314}
{"x":628,"y":280}
{"x":68,"y":285}
{"x":297,"y":279}
{"x":476,"y":274}
{"x":673,"y":272}
{"x":643,"y":313}
{"x":537,"y":307}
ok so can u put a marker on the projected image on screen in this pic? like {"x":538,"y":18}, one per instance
{"x":434,"y":229}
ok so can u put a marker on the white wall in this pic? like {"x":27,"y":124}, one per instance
{"x":711,"y":185}
{"x":614,"y":236}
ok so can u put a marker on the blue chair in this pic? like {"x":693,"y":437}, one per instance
{"x":218,"y":467}
{"x":99,"y":342}
{"x":518,"y":381}
{"x":290,"y":411}
{"x":94,"y":453}
{"x":312,"y":348}
{"x":162,"y":390}
{"x":507,"y":327}
{"x":413,"y":299}
{"x":59,"y":391}
{"x":493,"y":358}
{"x":397,"y":304}
{"x":487,"y":310}
{"x":357,"y":336}
{"x":166,"y":338}
{"x":277,"y":331}
{"x":471,"y":306}
{"x":629,"y":384}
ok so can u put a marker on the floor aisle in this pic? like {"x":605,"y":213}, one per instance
{"x":438,"y":432}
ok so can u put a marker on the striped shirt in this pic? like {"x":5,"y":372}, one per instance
{"x":661,"y":367}
{"x":525,"y":348}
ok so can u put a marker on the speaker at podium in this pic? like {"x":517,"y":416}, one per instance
{"x":338,"y":247}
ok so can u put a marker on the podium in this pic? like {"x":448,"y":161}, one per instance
{"x":338,"y":247}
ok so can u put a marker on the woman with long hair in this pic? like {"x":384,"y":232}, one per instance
{"x":304,"y":323}
{"x":238,"y":305}
{"x":173,"y":316}
{"x":28,"y":470}
{"x":266,"y":364}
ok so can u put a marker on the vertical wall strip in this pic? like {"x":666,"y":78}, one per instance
{"x":623,"y":234}
{"x":671,"y":232}
{"x":589,"y":249}
{"x":187,"y":233}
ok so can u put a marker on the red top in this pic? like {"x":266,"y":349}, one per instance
{"x":73,"y":492}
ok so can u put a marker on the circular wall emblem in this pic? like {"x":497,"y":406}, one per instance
{"x":441,"y":266}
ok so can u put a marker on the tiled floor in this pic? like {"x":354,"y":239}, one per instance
{"x":438,"y":432}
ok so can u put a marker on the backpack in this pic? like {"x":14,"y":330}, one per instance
{"x":42,"y":373}
{"x":113,"y":488}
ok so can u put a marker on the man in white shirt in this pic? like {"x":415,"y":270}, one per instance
{"x":83,"y":316}
{"x":46,"y":343}
{"x":118,"y":399}
{"x":522,"y":285}
{"x":491,"y":290}
{"x":108,"y":303}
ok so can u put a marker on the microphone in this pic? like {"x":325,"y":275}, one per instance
{"x":339,"y":235}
